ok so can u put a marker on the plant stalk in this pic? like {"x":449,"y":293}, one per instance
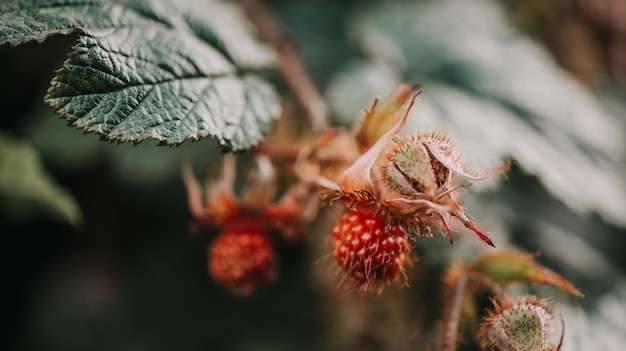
{"x":289,"y":64}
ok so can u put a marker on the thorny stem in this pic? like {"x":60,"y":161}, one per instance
{"x":288,"y":63}
{"x":448,"y":337}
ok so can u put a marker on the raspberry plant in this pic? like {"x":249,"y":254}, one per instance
{"x":399,"y":214}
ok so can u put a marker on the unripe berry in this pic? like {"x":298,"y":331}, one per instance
{"x":242,"y":260}
{"x":524,"y":326}
{"x":369,"y":250}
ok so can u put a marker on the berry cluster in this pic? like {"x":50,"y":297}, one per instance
{"x":392,"y":188}
{"x":395,"y":187}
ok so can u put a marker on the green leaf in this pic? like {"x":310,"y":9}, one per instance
{"x":23,"y":21}
{"x":160,"y":70}
{"x":26,"y":189}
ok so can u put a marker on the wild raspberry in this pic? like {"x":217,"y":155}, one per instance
{"x":242,"y":257}
{"x":369,"y":250}
{"x":242,"y":260}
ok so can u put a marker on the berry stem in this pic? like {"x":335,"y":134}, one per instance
{"x":452,"y":315}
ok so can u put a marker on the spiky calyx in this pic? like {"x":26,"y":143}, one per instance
{"x":524,"y":326}
{"x":415,"y":179}
{"x":242,"y":260}
{"x":408,"y":167}
{"x":370,"y":251}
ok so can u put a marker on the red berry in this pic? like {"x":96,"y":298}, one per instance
{"x":370,"y":251}
{"x":242,"y":260}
